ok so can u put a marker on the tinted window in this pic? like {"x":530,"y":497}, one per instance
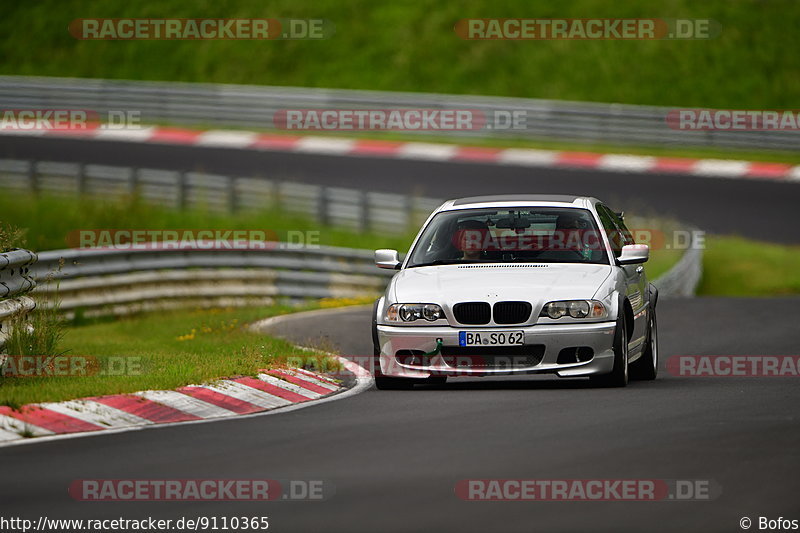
{"x":524,"y":234}
{"x":618,"y":234}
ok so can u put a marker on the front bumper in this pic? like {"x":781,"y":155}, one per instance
{"x":597,"y":336}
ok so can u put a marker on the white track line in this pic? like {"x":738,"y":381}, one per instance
{"x":9,"y":423}
{"x":185,"y":403}
{"x":247,"y":394}
{"x":526,"y":157}
{"x":325,"y":145}
{"x":312,"y":379}
{"x":227,"y":139}
{"x":272,"y":380}
{"x":127,"y":134}
{"x":434,"y":152}
{"x":720,"y":167}
{"x":626,"y":163}
{"x":96,"y":413}
{"x":9,"y":435}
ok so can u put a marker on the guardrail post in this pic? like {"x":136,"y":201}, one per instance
{"x":183,"y":189}
{"x":323,"y":206}
{"x":33,"y":181}
{"x":364,"y":220}
{"x":408,"y":211}
{"x":80,"y":179}
{"x":233,"y":205}
{"x":275,"y":194}
{"x":133,"y":180}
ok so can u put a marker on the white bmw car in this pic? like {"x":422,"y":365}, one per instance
{"x":517,"y":284}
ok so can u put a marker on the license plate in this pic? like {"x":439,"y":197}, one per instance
{"x":491,"y":338}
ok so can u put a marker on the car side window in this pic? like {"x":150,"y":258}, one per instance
{"x":627,"y":236}
{"x":616,"y":235}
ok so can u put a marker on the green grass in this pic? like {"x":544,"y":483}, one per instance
{"x":661,"y":261}
{"x":161,"y":351}
{"x":11,"y":237}
{"x":734,"y":266}
{"x":50,"y":220}
{"x":39,"y":333}
{"x":411,"y":46}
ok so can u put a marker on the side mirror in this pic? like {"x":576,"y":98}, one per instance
{"x":387,"y":259}
{"x":634,"y":253}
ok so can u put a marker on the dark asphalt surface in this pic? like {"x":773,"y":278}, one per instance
{"x":395,"y":456}
{"x":761,"y":209}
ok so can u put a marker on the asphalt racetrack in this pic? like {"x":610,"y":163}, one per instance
{"x":760,"y":209}
{"x":393,"y":458}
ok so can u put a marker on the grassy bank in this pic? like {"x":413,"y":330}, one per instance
{"x":158,"y":351}
{"x":49,"y":220}
{"x":412,"y":46}
{"x":734,"y":266}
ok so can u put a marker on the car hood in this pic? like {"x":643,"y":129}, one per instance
{"x":535,"y":283}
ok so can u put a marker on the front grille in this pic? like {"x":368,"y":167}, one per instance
{"x":495,"y":357}
{"x":472,"y":312}
{"x":511,"y":312}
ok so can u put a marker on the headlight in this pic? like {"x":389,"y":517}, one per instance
{"x":575,"y":309}
{"x":412,"y":312}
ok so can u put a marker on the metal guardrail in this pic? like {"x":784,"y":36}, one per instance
{"x":684,"y":277}
{"x":255,"y":107}
{"x":100,"y":282}
{"x":338,"y":206}
{"x":16,"y":280}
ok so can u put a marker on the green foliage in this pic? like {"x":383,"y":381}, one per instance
{"x":412,"y":46}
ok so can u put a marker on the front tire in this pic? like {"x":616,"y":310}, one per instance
{"x":646,"y":367}
{"x":618,"y":377}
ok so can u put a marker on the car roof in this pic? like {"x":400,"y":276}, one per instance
{"x":507,"y":200}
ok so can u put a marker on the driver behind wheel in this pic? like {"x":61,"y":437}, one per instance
{"x":471,"y":237}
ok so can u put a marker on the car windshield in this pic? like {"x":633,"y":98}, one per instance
{"x":510,"y":235}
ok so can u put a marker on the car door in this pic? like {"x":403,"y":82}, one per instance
{"x":636,"y":280}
